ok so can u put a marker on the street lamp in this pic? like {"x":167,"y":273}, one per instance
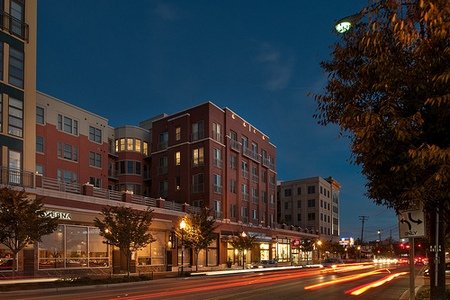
{"x":244,"y":235}
{"x":182,"y":227}
{"x":319,"y":243}
{"x":379,"y":235}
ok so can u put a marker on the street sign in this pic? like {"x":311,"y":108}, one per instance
{"x":411,"y":224}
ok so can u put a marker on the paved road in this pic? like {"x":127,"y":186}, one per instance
{"x":286,"y":284}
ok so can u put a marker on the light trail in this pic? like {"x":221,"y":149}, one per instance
{"x":363,"y":288}
{"x":341,"y":280}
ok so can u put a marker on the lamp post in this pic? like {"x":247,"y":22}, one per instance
{"x":182,"y":227}
{"x":244,"y":235}
{"x":319,"y":243}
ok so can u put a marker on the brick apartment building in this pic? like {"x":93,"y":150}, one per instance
{"x":202,"y":156}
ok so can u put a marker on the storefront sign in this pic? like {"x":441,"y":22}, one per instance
{"x":59,"y":214}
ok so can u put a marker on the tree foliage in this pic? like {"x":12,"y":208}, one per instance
{"x":126,"y":228}
{"x":388,"y":90}
{"x":199,"y":231}
{"x":22,"y":220}
{"x":243,"y":241}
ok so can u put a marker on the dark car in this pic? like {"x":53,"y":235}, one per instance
{"x":447,"y":271}
{"x":331,"y":262}
{"x":265,"y":264}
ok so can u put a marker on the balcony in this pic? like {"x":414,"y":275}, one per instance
{"x":16,"y":177}
{"x":235,"y":145}
{"x":250,"y":154}
{"x":245,"y":196}
{"x":163,"y":145}
{"x":162,"y":170}
{"x":14,"y":26}
{"x":268,"y":163}
{"x":217,"y":189}
{"x":197,"y":188}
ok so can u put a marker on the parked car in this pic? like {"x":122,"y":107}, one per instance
{"x":332,"y":262}
{"x":265,"y":264}
{"x":447,"y":270}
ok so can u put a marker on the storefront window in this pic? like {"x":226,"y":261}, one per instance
{"x":283,"y":250}
{"x":212,"y":254}
{"x":51,"y":250}
{"x":6,"y":258}
{"x":153,"y":254}
{"x":73,"y":247}
{"x":98,"y":250}
{"x":264,"y":251}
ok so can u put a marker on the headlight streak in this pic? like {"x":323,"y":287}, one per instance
{"x":363,"y":288}
{"x":341,"y":280}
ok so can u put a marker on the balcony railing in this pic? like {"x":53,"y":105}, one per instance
{"x":245,"y":173}
{"x":217,"y":162}
{"x":16,"y":177}
{"x":245,"y":197}
{"x":217,"y":136}
{"x":217,"y":189}
{"x":235,"y":145}
{"x":162,"y":145}
{"x":14,"y":26}
{"x":250,"y":154}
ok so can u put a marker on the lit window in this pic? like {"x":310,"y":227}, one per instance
{"x":138,"y":145}
{"x":177,"y":158}
{"x":130,"y":145}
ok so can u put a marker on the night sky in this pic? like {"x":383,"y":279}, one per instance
{"x":128,"y":61}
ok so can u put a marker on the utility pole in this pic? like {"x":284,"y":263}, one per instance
{"x":363,"y":219}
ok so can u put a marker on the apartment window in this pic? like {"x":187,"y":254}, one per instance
{"x":264,"y":196}
{"x":233,"y":136}
{"x":198,"y":203}
{"x":163,"y":165}
{"x":299,"y":191}
{"x":244,"y":211}
{"x":287,"y":192}
{"x":15,"y":126}
{"x":197,"y":131}
{"x":233,"y":186}
{"x":233,"y":161}
{"x":244,"y":168}
{"x":177,"y":158}
{"x":163,"y":188}
{"x":40,"y":169}
{"x":299,"y":204}
{"x":16,"y":67}
{"x":217,"y":206}
{"x":17,"y":12}
{"x":68,"y":125}
{"x":217,"y":157}
{"x":321,"y":189}
{"x":288,"y":218}
{"x":255,"y":195}
{"x":312,"y":203}
{"x":145,"y":148}
{"x":130,"y":144}
{"x":244,"y":141}
{"x":254,"y":148}
{"x":233,"y":210}
{"x":67,"y":176}
{"x":163,"y":140}
{"x":264,"y":176}
{"x":178,"y":133}
{"x":39,"y":144}
{"x":138,"y":168}
{"x":67,"y":151}
{"x":321,"y":216}
{"x":299,"y":217}
{"x":95,"y":134}
{"x":255,"y":177}
{"x":217,"y":132}
{"x":178,"y":183}
{"x":137,"y":145}
{"x":40,"y":117}
{"x":197,"y":183}
{"x":311,"y":189}
{"x":311,"y":216}
{"x":286,"y":205}
{"x":97,"y":182}
{"x":217,"y":181}
{"x":198,"y":157}
{"x":95,"y":159}
{"x":254,"y":214}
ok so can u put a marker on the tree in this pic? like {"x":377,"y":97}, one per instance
{"x":199,"y":232}
{"x":243,"y":242}
{"x":388,"y":91}
{"x":126,"y":228}
{"x":22,"y":220}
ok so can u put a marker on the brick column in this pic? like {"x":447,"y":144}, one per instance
{"x":88,"y":189}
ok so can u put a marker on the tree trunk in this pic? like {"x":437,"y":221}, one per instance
{"x":196,"y":260}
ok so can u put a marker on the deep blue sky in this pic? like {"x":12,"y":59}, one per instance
{"x":131,"y":60}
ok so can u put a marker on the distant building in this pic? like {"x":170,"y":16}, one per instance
{"x":311,"y":204}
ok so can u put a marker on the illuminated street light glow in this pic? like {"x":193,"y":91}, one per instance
{"x":343,"y":26}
